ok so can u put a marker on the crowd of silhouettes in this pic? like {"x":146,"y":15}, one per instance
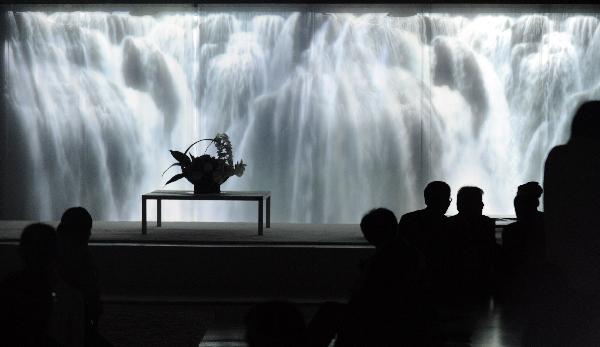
{"x":549,"y":261}
{"x":552,"y":258}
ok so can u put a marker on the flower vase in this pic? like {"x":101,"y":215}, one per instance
{"x":207,"y":188}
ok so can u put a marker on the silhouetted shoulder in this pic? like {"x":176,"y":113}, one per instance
{"x":411,"y":219}
{"x":411,"y":216}
{"x":488,"y":221}
{"x":557,"y":153}
{"x":419,"y":216}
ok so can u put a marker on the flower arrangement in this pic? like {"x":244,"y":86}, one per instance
{"x":206,"y":172}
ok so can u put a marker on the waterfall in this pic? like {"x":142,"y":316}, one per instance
{"x":334,"y":113}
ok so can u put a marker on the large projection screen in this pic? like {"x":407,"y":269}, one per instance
{"x":334,"y":112}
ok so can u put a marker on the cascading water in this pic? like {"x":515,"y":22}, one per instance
{"x":334,"y":113}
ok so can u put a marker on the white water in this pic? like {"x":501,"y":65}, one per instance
{"x":335,"y":114}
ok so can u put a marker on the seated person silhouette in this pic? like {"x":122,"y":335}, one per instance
{"x":424,"y":228}
{"x":387,"y":306}
{"x":36,"y":307}
{"x":275,"y":324}
{"x":471,"y":244}
{"x":523,"y":242}
{"x":77,"y":268}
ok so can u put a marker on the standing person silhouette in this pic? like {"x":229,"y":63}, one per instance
{"x":569,"y":314}
{"x":572,"y":199}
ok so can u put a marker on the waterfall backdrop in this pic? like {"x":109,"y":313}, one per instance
{"x":334,"y":113}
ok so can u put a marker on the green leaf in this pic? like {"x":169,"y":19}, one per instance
{"x":175,"y":178}
{"x":174,"y":164}
{"x":182,"y":158}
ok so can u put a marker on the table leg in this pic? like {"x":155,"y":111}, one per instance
{"x":158,"y":213}
{"x":143,"y":216}
{"x":260,"y":217}
{"x":268,"y":212}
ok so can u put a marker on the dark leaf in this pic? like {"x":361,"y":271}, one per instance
{"x":211,"y":142}
{"x":196,"y":143}
{"x":182,"y":158}
{"x":175,"y":178}
{"x":174,"y":164}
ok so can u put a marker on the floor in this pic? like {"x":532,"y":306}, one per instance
{"x":222,"y":324}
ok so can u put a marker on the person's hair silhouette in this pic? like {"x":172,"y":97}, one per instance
{"x":38,"y":247}
{"x":527,"y":200}
{"x":379,"y":226}
{"x":437,"y":196}
{"x":586,"y":123}
{"x":275,"y":324}
{"x":75,"y":226}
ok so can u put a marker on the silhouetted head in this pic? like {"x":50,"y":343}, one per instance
{"x":469,"y":201}
{"x":586,"y":122}
{"x":527,"y":199}
{"x":75,"y":226}
{"x":274,"y":324}
{"x":38,"y":246}
{"x":531,"y":188}
{"x":437,"y":196}
{"x":379,"y":226}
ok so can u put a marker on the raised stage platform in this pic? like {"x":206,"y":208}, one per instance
{"x":224,"y":262}
{"x":210,"y":233}
{"x":205,"y":233}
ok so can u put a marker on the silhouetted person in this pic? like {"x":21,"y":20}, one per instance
{"x":572,"y":202}
{"x":77,"y":267}
{"x":523,"y":242}
{"x":570,"y":314}
{"x":424,"y":228}
{"x":471,"y":242}
{"x":387,"y":307}
{"x":524,"y":247}
{"x":37,"y":307}
{"x":275,"y":324}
